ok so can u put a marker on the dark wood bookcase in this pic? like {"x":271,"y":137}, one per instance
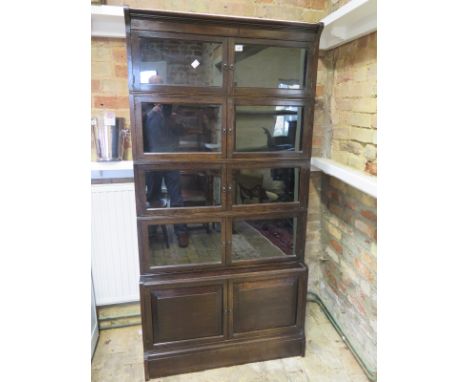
{"x":222,"y":112}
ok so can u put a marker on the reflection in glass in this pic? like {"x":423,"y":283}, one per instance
{"x":181,"y":128}
{"x":183,"y":188}
{"x":268,"y":128}
{"x":266,"y":185}
{"x":269,"y":66}
{"x":263,"y":238}
{"x":179,"y":62}
{"x":187,"y":243}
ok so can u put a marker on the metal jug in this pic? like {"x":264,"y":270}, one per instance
{"x":109,"y":136}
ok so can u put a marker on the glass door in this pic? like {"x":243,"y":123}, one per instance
{"x":265,"y":238}
{"x":267,"y":187}
{"x":179,"y":189}
{"x":273,"y":128}
{"x":181,"y":128}
{"x":181,"y":243}
{"x":171,"y":62}
{"x":271,"y":67}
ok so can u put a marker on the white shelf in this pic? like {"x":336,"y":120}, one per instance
{"x":355,"y":19}
{"x":107,"y":21}
{"x":112,"y":166}
{"x":358,"y":179}
{"x":117,"y":169}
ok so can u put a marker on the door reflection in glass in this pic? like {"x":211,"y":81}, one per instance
{"x":268,"y":128}
{"x":263,"y":238}
{"x":181,"y":128}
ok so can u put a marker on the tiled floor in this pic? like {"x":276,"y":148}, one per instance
{"x":119,"y":358}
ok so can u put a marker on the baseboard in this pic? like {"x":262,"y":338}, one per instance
{"x":220,"y":355}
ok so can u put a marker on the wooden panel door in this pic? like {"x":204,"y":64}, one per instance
{"x":184,"y":314}
{"x":267,"y":306}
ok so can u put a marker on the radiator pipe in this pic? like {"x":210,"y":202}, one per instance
{"x":312,"y":297}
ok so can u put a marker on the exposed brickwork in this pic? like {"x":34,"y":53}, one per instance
{"x":341,"y":253}
{"x":109,"y":81}
{"x":335,"y":4}
{"x":295,"y":10}
{"x":342,"y":227}
{"x":345,"y":126}
{"x":353,"y":103}
{"x":321,"y":141}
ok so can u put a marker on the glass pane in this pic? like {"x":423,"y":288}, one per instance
{"x":268,"y":128}
{"x":183,"y":188}
{"x":185,"y":243}
{"x":181,"y":128}
{"x":180,"y":62}
{"x":266,"y":185}
{"x":264,"y":66}
{"x":264,"y":238}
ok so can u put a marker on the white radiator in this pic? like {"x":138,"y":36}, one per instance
{"x":114,"y":252}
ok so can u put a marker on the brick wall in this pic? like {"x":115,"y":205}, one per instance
{"x":341,"y":253}
{"x":345,"y":128}
{"x":109,"y":81}
{"x":354,"y":104}
{"x":335,"y":4}
{"x":342,"y":228}
{"x":321,"y":140}
{"x":296,"y":10}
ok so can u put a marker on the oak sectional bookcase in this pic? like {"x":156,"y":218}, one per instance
{"x":222,"y":113}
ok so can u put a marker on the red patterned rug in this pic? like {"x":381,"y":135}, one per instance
{"x":279,"y":232}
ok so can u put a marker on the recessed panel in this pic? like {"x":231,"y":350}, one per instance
{"x":268,"y":128}
{"x":267,"y":304}
{"x":256,"y":239}
{"x":187,"y":313}
{"x":176,"y":188}
{"x":266,"y":185}
{"x":264,"y":66}
{"x":184,"y":243}
{"x":172,"y":127}
{"x":180,"y":62}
